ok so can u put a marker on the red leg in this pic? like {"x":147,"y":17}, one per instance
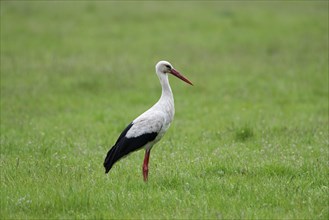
{"x":145,"y":164}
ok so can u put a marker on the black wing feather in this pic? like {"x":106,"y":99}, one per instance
{"x":124,"y":132}
{"x":125,"y":146}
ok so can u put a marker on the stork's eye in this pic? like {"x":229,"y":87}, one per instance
{"x":168,"y":66}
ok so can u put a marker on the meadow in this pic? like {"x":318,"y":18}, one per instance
{"x":249,"y":139}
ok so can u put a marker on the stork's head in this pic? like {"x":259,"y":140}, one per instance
{"x":164,"y":67}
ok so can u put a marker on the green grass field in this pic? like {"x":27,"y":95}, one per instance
{"x":249,"y":139}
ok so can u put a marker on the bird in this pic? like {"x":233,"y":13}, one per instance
{"x":148,"y":128}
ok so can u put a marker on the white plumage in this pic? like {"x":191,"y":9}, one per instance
{"x":149,"y":127}
{"x":160,"y":115}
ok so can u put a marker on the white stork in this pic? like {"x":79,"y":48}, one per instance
{"x":148,"y":128}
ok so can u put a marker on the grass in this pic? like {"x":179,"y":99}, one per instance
{"x":249,"y":140}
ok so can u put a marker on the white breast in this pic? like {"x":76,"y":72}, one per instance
{"x":157,"y":119}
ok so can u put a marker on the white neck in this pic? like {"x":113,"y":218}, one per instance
{"x":166,"y":94}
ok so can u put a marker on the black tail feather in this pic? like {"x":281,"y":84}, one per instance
{"x":125,"y":146}
{"x":117,"y":152}
{"x":113,"y":155}
{"x":108,"y":162}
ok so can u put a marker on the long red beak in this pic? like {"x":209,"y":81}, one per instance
{"x":178,"y":75}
